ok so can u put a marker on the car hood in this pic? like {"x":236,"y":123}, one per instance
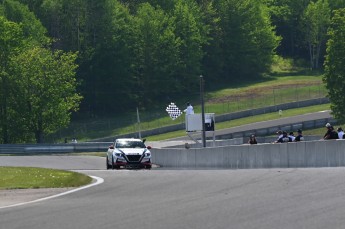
{"x":133,"y":151}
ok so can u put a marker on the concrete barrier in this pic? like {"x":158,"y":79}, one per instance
{"x":322,"y":153}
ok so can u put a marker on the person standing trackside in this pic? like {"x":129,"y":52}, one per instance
{"x":331,"y":133}
{"x":189,"y":110}
{"x":252,"y":140}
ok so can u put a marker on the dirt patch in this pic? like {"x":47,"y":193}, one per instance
{"x":259,"y":92}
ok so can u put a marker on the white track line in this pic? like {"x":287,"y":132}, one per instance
{"x":98,"y":181}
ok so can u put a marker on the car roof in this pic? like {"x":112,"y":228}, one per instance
{"x":128,"y":139}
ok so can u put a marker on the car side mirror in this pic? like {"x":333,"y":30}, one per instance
{"x":111,"y":147}
{"x":149,"y":147}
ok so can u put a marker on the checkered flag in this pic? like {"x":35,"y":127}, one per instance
{"x":173,"y":111}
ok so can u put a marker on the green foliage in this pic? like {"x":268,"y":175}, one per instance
{"x":281,"y":65}
{"x":316,"y":20}
{"x":45,"y":91}
{"x":246,"y":35}
{"x":335,"y":65}
{"x":108,"y":73}
{"x":286,"y":16}
{"x":11,"y":42}
{"x":32,"y":28}
{"x":38,"y":87}
{"x":193,"y":33}
{"x":149,"y":50}
{"x":337,"y":4}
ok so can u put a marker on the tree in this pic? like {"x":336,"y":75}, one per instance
{"x":316,"y":19}
{"x":286,"y":16}
{"x":212,"y":63}
{"x":335,"y":65}
{"x":157,"y":51}
{"x":337,"y":4}
{"x":108,"y":81}
{"x":248,"y":39}
{"x":193,"y":34}
{"x":34,"y":32}
{"x":46,"y":93}
{"x":11,"y":39}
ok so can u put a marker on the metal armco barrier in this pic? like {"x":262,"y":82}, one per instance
{"x":53,"y":148}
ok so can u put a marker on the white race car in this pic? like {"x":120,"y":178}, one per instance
{"x":128,"y":153}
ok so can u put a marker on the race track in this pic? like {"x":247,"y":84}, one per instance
{"x":185,"y":199}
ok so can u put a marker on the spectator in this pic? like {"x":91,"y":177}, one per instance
{"x":331,"y":133}
{"x":340,"y":133}
{"x":189,"y":110}
{"x":292,"y":136}
{"x":280,"y":135}
{"x":299,"y":136}
{"x":284,"y":138}
{"x":252,"y":139}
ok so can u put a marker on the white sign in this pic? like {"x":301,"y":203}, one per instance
{"x":194,"y":122}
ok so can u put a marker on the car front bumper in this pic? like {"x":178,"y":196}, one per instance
{"x":134,"y":165}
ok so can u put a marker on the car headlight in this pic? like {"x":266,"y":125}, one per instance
{"x":118,"y":154}
{"x":147,"y":154}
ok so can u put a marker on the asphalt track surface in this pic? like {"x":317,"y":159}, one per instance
{"x":182,"y":199}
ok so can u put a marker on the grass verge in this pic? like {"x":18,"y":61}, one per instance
{"x":28,"y":177}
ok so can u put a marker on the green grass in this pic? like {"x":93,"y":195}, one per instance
{"x":278,"y":90}
{"x":27,"y":177}
{"x":247,"y":120}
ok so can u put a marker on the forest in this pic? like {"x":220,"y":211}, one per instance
{"x":96,"y":57}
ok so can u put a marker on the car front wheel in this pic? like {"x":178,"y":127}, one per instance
{"x":112,"y":162}
{"x":107,"y":161}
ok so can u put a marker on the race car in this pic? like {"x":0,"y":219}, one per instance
{"x":128,"y":153}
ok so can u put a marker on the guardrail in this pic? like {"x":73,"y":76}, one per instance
{"x":53,"y":148}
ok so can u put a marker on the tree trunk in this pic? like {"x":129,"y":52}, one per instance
{"x":39,"y":130}
{"x":311,"y":55}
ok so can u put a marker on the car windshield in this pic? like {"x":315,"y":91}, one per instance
{"x":130,"y":144}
